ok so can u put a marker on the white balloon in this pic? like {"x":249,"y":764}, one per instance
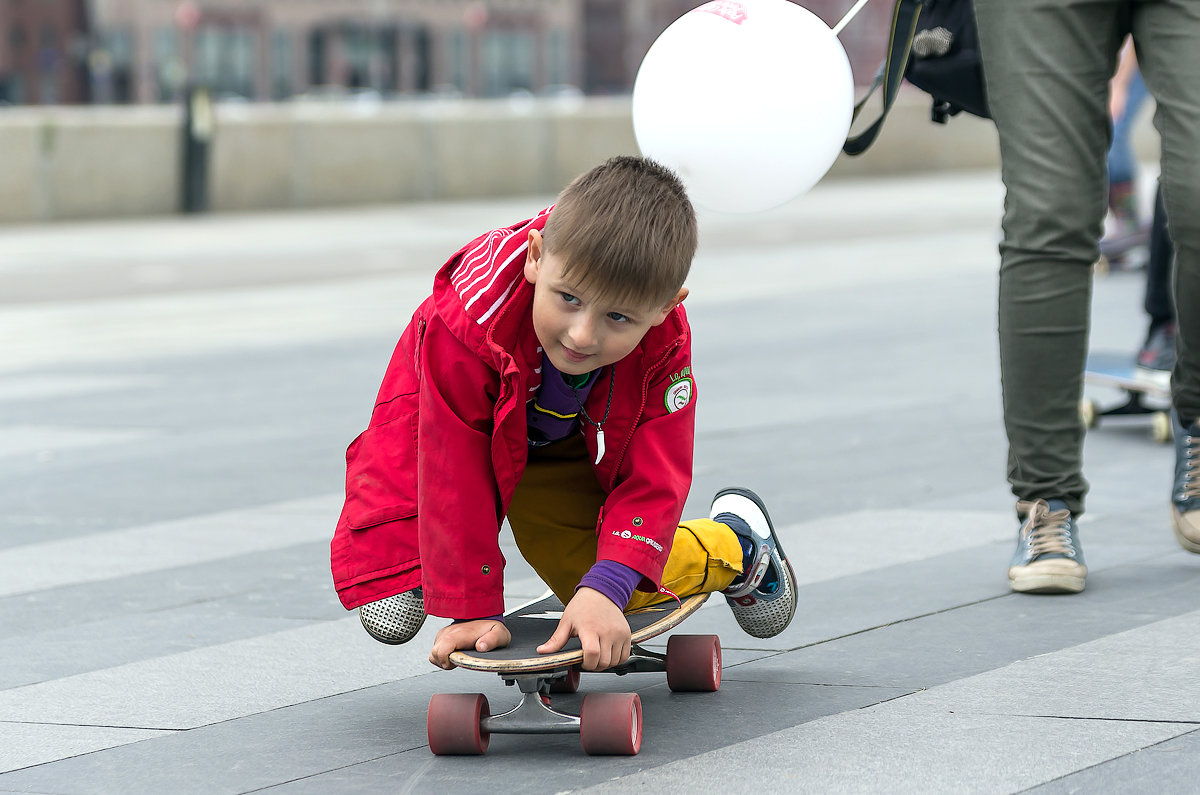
{"x":749,"y":101}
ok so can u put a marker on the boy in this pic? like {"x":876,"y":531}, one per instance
{"x":547,"y":379}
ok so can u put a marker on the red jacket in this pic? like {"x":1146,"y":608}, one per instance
{"x":429,"y":481}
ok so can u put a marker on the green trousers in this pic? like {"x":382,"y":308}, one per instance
{"x":1047,"y":65}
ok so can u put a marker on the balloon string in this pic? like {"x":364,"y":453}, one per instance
{"x":849,"y":16}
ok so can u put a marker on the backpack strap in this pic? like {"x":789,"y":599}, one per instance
{"x":891,"y":72}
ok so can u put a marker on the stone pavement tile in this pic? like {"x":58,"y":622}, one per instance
{"x":970,"y":638}
{"x":883,"y":538}
{"x":48,"y":440}
{"x":59,"y":653}
{"x":882,"y":749}
{"x":1003,"y":730}
{"x":289,"y":582}
{"x":374,"y":739}
{"x":219,"y":683}
{"x":1147,"y":673}
{"x":189,"y":324}
{"x":28,"y":744}
{"x":1172,"y":766}
{"x":102,"y":556}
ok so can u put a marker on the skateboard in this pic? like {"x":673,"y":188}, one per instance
{"x":608,"y":723}
{"x":1119,"y":371}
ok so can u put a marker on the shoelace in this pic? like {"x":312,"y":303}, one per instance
{"x":1191,"y":475}
{"x":1046,"y":531}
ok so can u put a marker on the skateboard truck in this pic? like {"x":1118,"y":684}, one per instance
{"x":533,"y":714}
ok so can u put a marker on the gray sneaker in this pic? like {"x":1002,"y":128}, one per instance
{"x":1049,"y":558}
{"x":1185,"y":496}
{"x":764,"y":601}
{"x":394,"y":619}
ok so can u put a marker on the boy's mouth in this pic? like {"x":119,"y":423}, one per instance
{"x":574,"y":356}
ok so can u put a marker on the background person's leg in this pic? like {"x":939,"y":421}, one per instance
{"x":1047,"y":65}
{"x":1167,"y":34}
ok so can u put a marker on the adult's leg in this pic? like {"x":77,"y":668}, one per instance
{"x":1167,"y":35}
{"x":1158,"y":304}
{"x":1047,"y":65}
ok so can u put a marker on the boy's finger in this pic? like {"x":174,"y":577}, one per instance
{"x":559,"y":639}
{"x":440,"y":658}
{"x":592,"y":654}
{"x":494,"y":638}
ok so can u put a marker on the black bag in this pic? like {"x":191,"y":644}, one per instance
{"x":935,"y":46}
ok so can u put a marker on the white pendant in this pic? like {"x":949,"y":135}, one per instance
{"x":599,"y":444}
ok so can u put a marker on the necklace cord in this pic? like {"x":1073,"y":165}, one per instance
{"x":607,"y":405}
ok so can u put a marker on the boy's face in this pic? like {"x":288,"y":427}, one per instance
{"x":577,"y":330}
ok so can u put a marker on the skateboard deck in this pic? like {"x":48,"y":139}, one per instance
{"x":1144,"y":395}
{"x":533,"y":623}
{"x":608,"y":723}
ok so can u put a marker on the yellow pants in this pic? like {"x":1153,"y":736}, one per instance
{"x":553,"y":517}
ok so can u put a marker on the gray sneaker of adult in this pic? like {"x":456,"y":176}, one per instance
{"x":765,"y":601}
{"x":394,"y":619}
{"x":1185,"y":494}
{"x":1049,"y":558}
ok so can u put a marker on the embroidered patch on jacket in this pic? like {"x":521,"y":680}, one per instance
{"x":679,"y":394}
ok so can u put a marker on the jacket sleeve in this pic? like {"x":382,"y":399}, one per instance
{"x":374,"y":552}
{"x":641,"y":513}
{"x":458,"y":501}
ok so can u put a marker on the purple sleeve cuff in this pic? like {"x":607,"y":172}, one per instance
{"x":484,"y":618}
{"x":615,"y":580}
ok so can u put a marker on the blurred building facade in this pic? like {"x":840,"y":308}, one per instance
{"x":144,"y":51}
{"x":43,"y":51}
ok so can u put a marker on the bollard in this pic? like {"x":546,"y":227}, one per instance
{"x":197,"y":135}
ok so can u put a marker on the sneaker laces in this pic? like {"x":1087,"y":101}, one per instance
{"x":1191,"y":474}
{"x":1046,"y":532}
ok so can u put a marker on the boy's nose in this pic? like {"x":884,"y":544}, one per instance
{"x":583,"y":335}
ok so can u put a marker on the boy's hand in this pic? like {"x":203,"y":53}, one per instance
{"x":600,"y":626}
{"x":482,"y":635}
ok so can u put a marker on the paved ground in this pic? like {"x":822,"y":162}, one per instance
{"x":176,"y":395}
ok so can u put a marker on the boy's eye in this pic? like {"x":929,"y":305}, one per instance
{"x":618,"y":317}
{"x":568,"y":298}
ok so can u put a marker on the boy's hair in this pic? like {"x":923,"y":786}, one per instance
{"x":626,"y":229}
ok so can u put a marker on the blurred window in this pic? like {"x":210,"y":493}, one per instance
{"x":225,"y":60}
{"x":119,"y":44}
{"x":16,"y":89}
{"x":557,"y":60}
{"x":48,"y":87}
{"x":458,"y":60}
{"x":242,"y":46}
{"x":508,"y":62}
{"x":317,"y":46}
{"x":169,"y":71}
{"x":281,"y":64}
{"x":208,"y":56}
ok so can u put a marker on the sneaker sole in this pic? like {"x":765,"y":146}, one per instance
{"x":789,"y":576}
{"x":1184,"y":541}
{"x":1048,"y":583}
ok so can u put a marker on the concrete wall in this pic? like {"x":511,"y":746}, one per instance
{"x":72,"y":163}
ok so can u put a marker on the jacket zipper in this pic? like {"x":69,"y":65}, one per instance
{"x":650,"y":371}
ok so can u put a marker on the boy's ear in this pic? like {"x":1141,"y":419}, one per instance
{"x":533,"y":256}
{"x":674,"y":302}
